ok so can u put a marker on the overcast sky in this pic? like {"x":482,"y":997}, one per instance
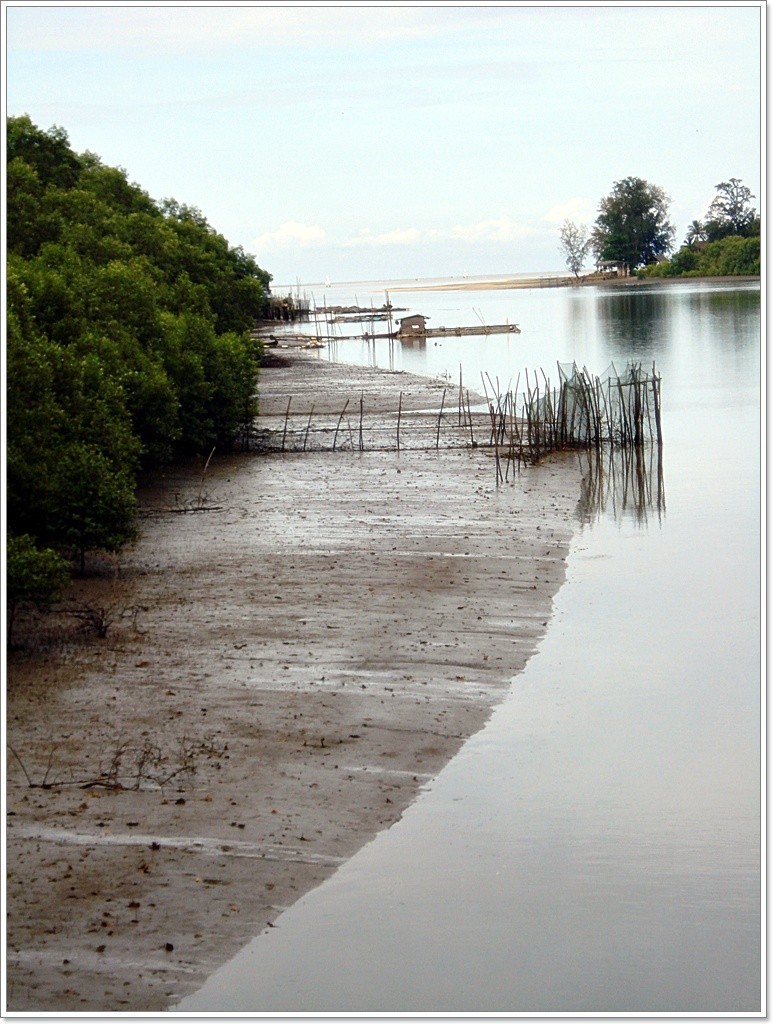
{"x":405,"y":141}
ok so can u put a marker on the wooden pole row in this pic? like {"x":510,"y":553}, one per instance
{"x":528,"y":423}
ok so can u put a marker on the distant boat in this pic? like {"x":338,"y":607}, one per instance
{"x":327,"y":282}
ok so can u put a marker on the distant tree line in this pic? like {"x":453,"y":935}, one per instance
{"x":128,"y":346}
{"x":633,"y":230}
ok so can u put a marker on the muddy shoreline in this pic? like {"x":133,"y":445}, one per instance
{"x":298,"y":643}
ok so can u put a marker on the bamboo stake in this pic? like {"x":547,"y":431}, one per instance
{"x":574,"y":389}
{"x":399,"y":414}
{"x":623,"y":416}
{"x":488,"y":403}
{"x":646,"y":397}
{"x":603,"y":410}
{"x":200,"y":496}
{"x":338,"y":425}
{"x":440,"y":416}
{"x":497,"y":420}
{"x":308,"y":427}
{"x":656,"y":402}
{"x":516,"y":425}
{"x":362,"y":395}
{"x":594,"y":411}
{"x":550,"y":413}
{"x":287,"y":416}
{"x":637,"y":432}
{"x":495,"y":438}
{"x":527,"y":414}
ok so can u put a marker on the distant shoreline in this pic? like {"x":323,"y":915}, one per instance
{"x":546,"y":281}
{"x":505,"y":283}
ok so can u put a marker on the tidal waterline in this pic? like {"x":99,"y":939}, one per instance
{"x":596,"y":848}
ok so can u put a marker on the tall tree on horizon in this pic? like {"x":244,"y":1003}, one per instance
{"x":731,"y":211}
{"x":575,"y":244}
{"x":633,"y":226}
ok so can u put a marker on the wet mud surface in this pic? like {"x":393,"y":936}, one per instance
{"x":298,"y":642}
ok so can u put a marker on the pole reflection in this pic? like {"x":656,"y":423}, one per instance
{"x":620,"y":483}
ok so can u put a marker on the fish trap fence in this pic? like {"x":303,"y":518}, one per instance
{"x":621,"y":409}
{"x":521,"y":426}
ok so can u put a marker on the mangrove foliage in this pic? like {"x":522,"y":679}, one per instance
{"x":128,"y":347}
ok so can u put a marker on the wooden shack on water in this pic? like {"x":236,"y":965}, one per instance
{"x":414,"y":326}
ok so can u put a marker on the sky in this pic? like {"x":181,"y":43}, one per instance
{"x":358,"y":143}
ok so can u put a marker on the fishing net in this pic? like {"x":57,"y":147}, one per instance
{"x":617,"y":407}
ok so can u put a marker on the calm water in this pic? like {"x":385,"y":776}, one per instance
{"x":596,"y":848}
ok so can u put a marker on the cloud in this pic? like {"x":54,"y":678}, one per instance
{"x":500,"y":229}
{"x":294,"y":235}
{"x":398,"y":236}
{"x":579,"y":210}
{"x":290,"y":234}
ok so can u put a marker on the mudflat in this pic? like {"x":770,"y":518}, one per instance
{"x":294,"y":646}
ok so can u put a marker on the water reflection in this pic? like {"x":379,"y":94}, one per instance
{"x":596,"y":847}
{"x":417,"y":344}
{"x":726,"y":315}
{"x":635,"y":320}
{"x":622,"y":483}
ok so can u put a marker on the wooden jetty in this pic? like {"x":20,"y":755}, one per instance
{"x":434,"y":332}
{"x":415,"y":328}
{"x":409,"y":328}
{"x":287,"y":309}
{"x":458,"y":332}
{"x":357,"y":313}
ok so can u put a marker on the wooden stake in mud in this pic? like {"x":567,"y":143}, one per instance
{"x":308,"y":427}
{"x":399,"y":415}
{"x":490,"y":407}
{"x":362,"y":396}
{"x":287,"y":416}
{"x":200,"y":496}
{"x":515,"y":424}
{"x":338,"y":425}
{"x":469,"y":415}
{"x":440,"y":417}
{"x":508,"y":416}
{"x":496,"y":447}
